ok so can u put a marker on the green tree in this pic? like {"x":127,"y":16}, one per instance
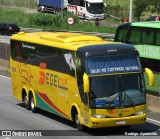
{"x":139,"y":7}
{"x":156,"y":4}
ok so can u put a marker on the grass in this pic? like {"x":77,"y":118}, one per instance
{"x":9,"y":16}
{"x":19,"y":3}
{"x":41,"y":20}
{"x":33,"y":3}
{"x":123,"y":3}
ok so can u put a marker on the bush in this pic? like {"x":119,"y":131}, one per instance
{"x":45,"y":19}
{"x":41,"y":19}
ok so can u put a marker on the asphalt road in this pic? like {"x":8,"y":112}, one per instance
{"x":13,"y":116}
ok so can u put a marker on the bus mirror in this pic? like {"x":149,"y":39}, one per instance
{"x":88,"y":4}
{"x":104,"y":4}
{"x":150,"y":76}
{"x":86,"y":83}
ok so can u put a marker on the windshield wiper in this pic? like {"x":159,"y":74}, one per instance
{"x":133,"y":104}
{"x":114,"y":102}
{"x":119,"y":101}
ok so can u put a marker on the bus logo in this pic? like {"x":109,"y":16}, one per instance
{"x":51,"y":79}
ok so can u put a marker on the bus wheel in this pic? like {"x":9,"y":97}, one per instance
{"x":26,"y":102}
{"x":32,"y":104}
{"x":77,"y":122}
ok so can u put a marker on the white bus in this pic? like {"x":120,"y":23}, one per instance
{"x":87,"y":9}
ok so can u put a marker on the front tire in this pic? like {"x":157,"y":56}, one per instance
{"x":77,"y":122}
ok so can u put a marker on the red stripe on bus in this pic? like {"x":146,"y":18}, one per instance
{"x":44,"y":96}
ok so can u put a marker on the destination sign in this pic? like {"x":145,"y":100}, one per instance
{"x":112,"y":64}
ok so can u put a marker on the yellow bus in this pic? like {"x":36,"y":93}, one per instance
{"x":82,"y":78}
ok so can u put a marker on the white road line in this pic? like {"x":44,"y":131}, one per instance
{"x":5,"y":77}
{"x":7,"y":138}
{"x":153,"y":120}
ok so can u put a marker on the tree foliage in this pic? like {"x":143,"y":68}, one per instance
{"x":141,"y":5}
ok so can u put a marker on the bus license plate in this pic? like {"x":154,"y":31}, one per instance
{"x":121,"y":122}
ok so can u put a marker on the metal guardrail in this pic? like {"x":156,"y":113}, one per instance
{"x":30,"y":29}
{"x":105,"y":36}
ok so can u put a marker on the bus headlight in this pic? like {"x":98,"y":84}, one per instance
{"x":140,"y":112}
{"x":98,"y":116}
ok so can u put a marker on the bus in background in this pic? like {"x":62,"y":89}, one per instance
{"x":145,"y":37}
{"x":82,"y":78}
{"x":87,"y":9}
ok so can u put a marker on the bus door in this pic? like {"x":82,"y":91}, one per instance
{"x":84,"y":97}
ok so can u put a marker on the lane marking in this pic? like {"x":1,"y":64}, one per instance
{"x":153,"y":120}
{"x":5,"y":77}
{"x":7,"y":138}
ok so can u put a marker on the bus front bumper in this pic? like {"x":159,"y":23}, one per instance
{"x":93,"y":17}
{"x":111,"y":122}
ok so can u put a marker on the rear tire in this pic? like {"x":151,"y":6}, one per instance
{"x":26,"y":102}
{"x":32,"y":104}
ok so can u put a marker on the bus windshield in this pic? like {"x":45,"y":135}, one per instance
{"x":95,"y":8}
{"x":121,"y":90}
{"x":114,"y":88}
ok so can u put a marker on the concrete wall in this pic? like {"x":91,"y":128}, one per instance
{"x":4,"y":51}
{"x":153,"y":103}
{"x":4,"y":57}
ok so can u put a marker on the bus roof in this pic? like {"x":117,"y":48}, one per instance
{"x":72,"y":41}
{"x":109,"y":49}
{"x":152,"y":24}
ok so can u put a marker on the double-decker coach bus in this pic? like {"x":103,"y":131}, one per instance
{"x":82,"y":78}
{"x":145,"y":37}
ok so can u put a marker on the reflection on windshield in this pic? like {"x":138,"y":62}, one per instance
{"x":117,"y":90}
{"x":96,"y":8}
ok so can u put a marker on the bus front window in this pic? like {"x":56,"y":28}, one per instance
{"x":115,"y":81}
{"x":95,"y":8}
{"x":122,"y":90}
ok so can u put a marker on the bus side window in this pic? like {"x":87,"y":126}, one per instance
{"x":147,"y":36}
{"x":79,"y":69}
{"x":158,"y":38}
{"x":134,"y":35}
